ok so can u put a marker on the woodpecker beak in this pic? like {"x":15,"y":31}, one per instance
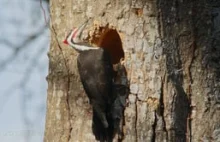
{"x":65,"y":42}
{"x":80,"y":29}
{"x":75,"y":34}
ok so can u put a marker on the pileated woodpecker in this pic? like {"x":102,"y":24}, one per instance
{"x":96,"y":73}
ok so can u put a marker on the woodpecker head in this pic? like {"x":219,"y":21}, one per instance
{"x":74,"y":36}
{"x":74,"y":39}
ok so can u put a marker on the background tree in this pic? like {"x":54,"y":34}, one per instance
{"x":172,"y":55}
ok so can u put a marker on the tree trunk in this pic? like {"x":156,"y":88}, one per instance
{"x":171,"y":56}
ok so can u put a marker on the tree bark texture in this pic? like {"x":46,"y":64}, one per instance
{"x":172,"y":59}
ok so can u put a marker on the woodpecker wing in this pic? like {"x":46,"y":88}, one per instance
{"x":95,"y":71}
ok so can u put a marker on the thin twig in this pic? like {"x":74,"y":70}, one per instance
{"x":44,"y":13}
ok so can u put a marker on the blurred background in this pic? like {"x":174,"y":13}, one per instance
{"x":24,"y":43}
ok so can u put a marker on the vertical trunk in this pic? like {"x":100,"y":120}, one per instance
{"x":190,"y":89}
{"x":171,"y":50}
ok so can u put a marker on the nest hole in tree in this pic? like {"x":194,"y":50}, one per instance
{"x":110,"y":40}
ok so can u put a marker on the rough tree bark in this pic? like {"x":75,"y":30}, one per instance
{"x":172,"y":59}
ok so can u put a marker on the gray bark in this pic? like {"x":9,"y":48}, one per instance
{"x":172,"y":61}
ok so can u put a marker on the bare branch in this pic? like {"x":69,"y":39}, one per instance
{"x":19,"y":48}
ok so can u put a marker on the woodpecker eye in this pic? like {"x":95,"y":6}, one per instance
{"x":72,"y":40}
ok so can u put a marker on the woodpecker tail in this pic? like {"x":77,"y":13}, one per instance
{"x":98,"y":128}
{"x":106,"y":123}
{"x":117,"y":109}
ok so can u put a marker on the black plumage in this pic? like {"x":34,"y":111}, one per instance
{"x":96,"y":73}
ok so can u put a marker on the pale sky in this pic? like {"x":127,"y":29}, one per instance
{"x":22,"y":107}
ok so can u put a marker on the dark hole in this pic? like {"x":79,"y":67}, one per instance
{"x":111,"y":41}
